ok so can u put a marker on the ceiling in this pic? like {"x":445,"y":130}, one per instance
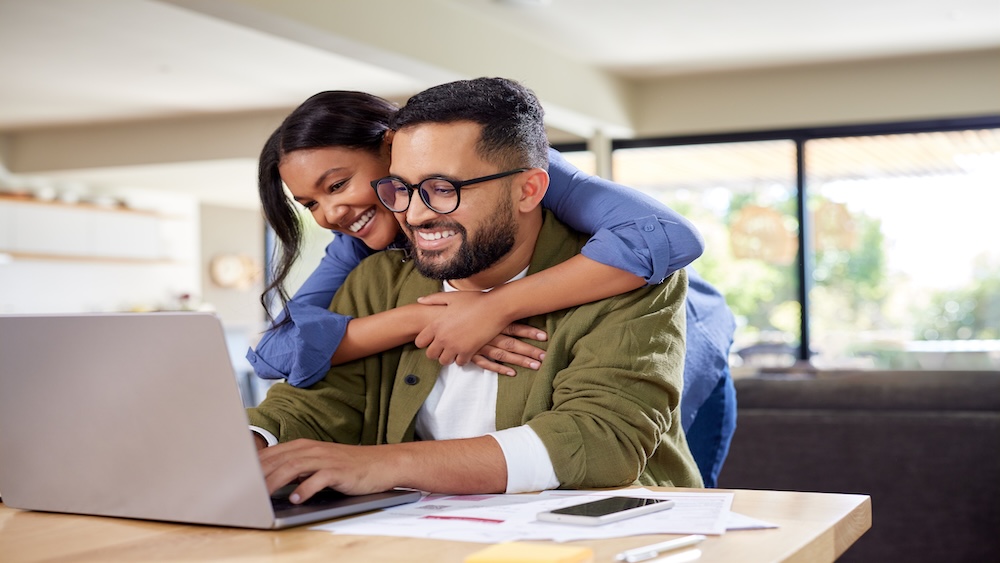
{"x":96,"y":63}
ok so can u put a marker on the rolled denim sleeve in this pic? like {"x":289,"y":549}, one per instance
{"x":630,"y":230}
{"x":300,"y":350}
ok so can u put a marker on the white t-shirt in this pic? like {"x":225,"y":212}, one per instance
{"x":463,"y":404}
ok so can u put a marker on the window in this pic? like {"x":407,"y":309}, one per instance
{"x":874,"y":245}
{"x":741,"y":196}
{"x":906,"y":268}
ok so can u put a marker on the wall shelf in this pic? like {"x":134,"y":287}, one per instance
{"x":65,"y":256}
{"x":44,"y":257}
{"x":83,"y":206}
{"x":81,"y":232}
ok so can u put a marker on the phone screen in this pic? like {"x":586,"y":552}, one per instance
{"x":606,"y":506}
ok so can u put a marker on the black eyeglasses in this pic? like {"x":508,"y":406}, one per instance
{"x":441,"y":195}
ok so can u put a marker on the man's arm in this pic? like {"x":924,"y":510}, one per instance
{"x":331,"y":410}
{"x":616,"y":403}
{"x":472,"y":465}
{"x":320,"y":429}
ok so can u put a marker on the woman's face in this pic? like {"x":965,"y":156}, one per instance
{"x":334,"y":184}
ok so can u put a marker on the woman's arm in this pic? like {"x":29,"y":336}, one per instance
{"x":300,"y":350}
{"x":303,"y":349}
{"x":474,"y":316}
{"x":631,"y":230}
{"x":637,"y":240}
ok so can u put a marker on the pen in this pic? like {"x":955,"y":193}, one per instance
{"x":651,"y":551}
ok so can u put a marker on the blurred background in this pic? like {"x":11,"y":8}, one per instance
{"x":841,"y":159}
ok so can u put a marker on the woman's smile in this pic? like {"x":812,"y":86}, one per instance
{"x":362,"y":221}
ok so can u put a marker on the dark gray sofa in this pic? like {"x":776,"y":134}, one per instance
{"x":924,"y":445}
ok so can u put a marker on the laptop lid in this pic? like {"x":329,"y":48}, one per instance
{"x":135,"y":415}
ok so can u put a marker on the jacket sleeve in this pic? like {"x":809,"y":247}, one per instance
{"x":326,"y":411}
{"x":300,"y":350}
{"x":347,"y":404}
{"x":618,"y":397}
{"x":631,"y":230}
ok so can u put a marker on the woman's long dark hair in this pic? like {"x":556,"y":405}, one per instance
{"x":329,"y":119}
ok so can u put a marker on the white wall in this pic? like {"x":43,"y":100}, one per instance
{"x":240,"y":232}
{"x":903,"y":89}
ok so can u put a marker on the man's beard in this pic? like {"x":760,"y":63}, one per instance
{"x":491,"y":244}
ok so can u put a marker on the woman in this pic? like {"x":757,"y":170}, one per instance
{"x":327,"y":152}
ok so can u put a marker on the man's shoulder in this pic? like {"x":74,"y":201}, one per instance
{"x":381,"y":280}
{"x":556,"y":243}
{"x":390,"y":260}
{"x":665,"y":299}
{"x":668,"y":294}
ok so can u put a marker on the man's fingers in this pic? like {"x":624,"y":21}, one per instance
{"x":289,"y":462}
{"x":315,"y":483}
{"x":524,"y":331}
{"x":486,"y":364}
{"x":514,"y":347}
{"x":289,"y":470}
{"x":509,"y":357}
{"x":314,"y":465}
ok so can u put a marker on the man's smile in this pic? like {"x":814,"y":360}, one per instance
{"x":437,"y":235}
{"x":434,"y":236}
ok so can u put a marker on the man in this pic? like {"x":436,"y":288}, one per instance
{"x":602,"y":411}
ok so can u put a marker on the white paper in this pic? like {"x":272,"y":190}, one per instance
{"x":497,"y":518}
{"x":737,"y":521}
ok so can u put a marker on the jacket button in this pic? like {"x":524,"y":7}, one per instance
{"x":648,"y":228}
{"x":411,"y":379}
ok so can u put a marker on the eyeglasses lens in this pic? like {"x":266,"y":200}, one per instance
{"x":393,"y":194}
{"x":439,"y":194}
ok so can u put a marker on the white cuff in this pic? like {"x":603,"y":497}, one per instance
{"x":528,"y":465}
{"x":267,"y":436}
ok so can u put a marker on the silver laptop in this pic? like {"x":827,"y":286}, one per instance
{"x":137,"y":415}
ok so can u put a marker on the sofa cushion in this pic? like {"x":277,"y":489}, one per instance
{"x":924,"y":445}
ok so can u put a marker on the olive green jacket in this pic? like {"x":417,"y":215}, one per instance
{"x":606,"y":401}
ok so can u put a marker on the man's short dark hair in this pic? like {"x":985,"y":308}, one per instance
{"x":513,"y":128}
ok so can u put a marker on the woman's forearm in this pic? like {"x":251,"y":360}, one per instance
{"x":631,"y":230}
{"x":379,"y":332}
{"x":574,"y":282}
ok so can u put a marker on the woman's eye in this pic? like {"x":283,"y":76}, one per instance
{"x":309,"y":205}
{"x":337,"y":186}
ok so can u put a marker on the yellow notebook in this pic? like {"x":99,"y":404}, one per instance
{"x":519,"y":552}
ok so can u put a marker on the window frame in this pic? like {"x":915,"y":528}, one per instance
{"x":800,"y":137}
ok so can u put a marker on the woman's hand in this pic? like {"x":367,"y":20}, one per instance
{"x":473,"y":328}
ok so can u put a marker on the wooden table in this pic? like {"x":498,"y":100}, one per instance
{"x":813,"y":528}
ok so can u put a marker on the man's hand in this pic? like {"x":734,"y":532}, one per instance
{"x":466,"y":466}
{"x":472,"y":328}
{"x":353,"y":470}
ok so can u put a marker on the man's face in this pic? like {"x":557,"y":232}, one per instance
{"x":476,"y":235}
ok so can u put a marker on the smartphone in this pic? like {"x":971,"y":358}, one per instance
{"x":611,"y":509}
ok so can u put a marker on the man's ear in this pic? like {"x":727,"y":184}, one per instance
{"x":533,"y":188}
